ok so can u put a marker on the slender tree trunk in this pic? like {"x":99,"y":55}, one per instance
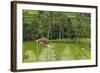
{"x":48,"y":36}
{"x":77,"y":39}
{"x":60,"y":34}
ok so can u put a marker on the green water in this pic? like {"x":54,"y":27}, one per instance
{"x":33,"y":52}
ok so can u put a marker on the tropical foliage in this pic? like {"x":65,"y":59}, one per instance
{"x":55,"y":25}
{"x":68,"y":34}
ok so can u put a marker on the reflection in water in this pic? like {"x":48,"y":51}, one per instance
{"x":57,"y":52}
{"x":48,"y":53}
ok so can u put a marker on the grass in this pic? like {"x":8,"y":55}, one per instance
{"x":56,"y":50}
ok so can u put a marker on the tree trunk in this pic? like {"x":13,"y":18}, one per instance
{"x":77,"y":39}
{"x":48,"y":35}
{"x":59,"y":35}
{"x":62,"y":34}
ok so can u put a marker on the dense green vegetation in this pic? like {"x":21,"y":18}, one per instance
{"x":55,"y":25}
{"x":68,"y":34}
